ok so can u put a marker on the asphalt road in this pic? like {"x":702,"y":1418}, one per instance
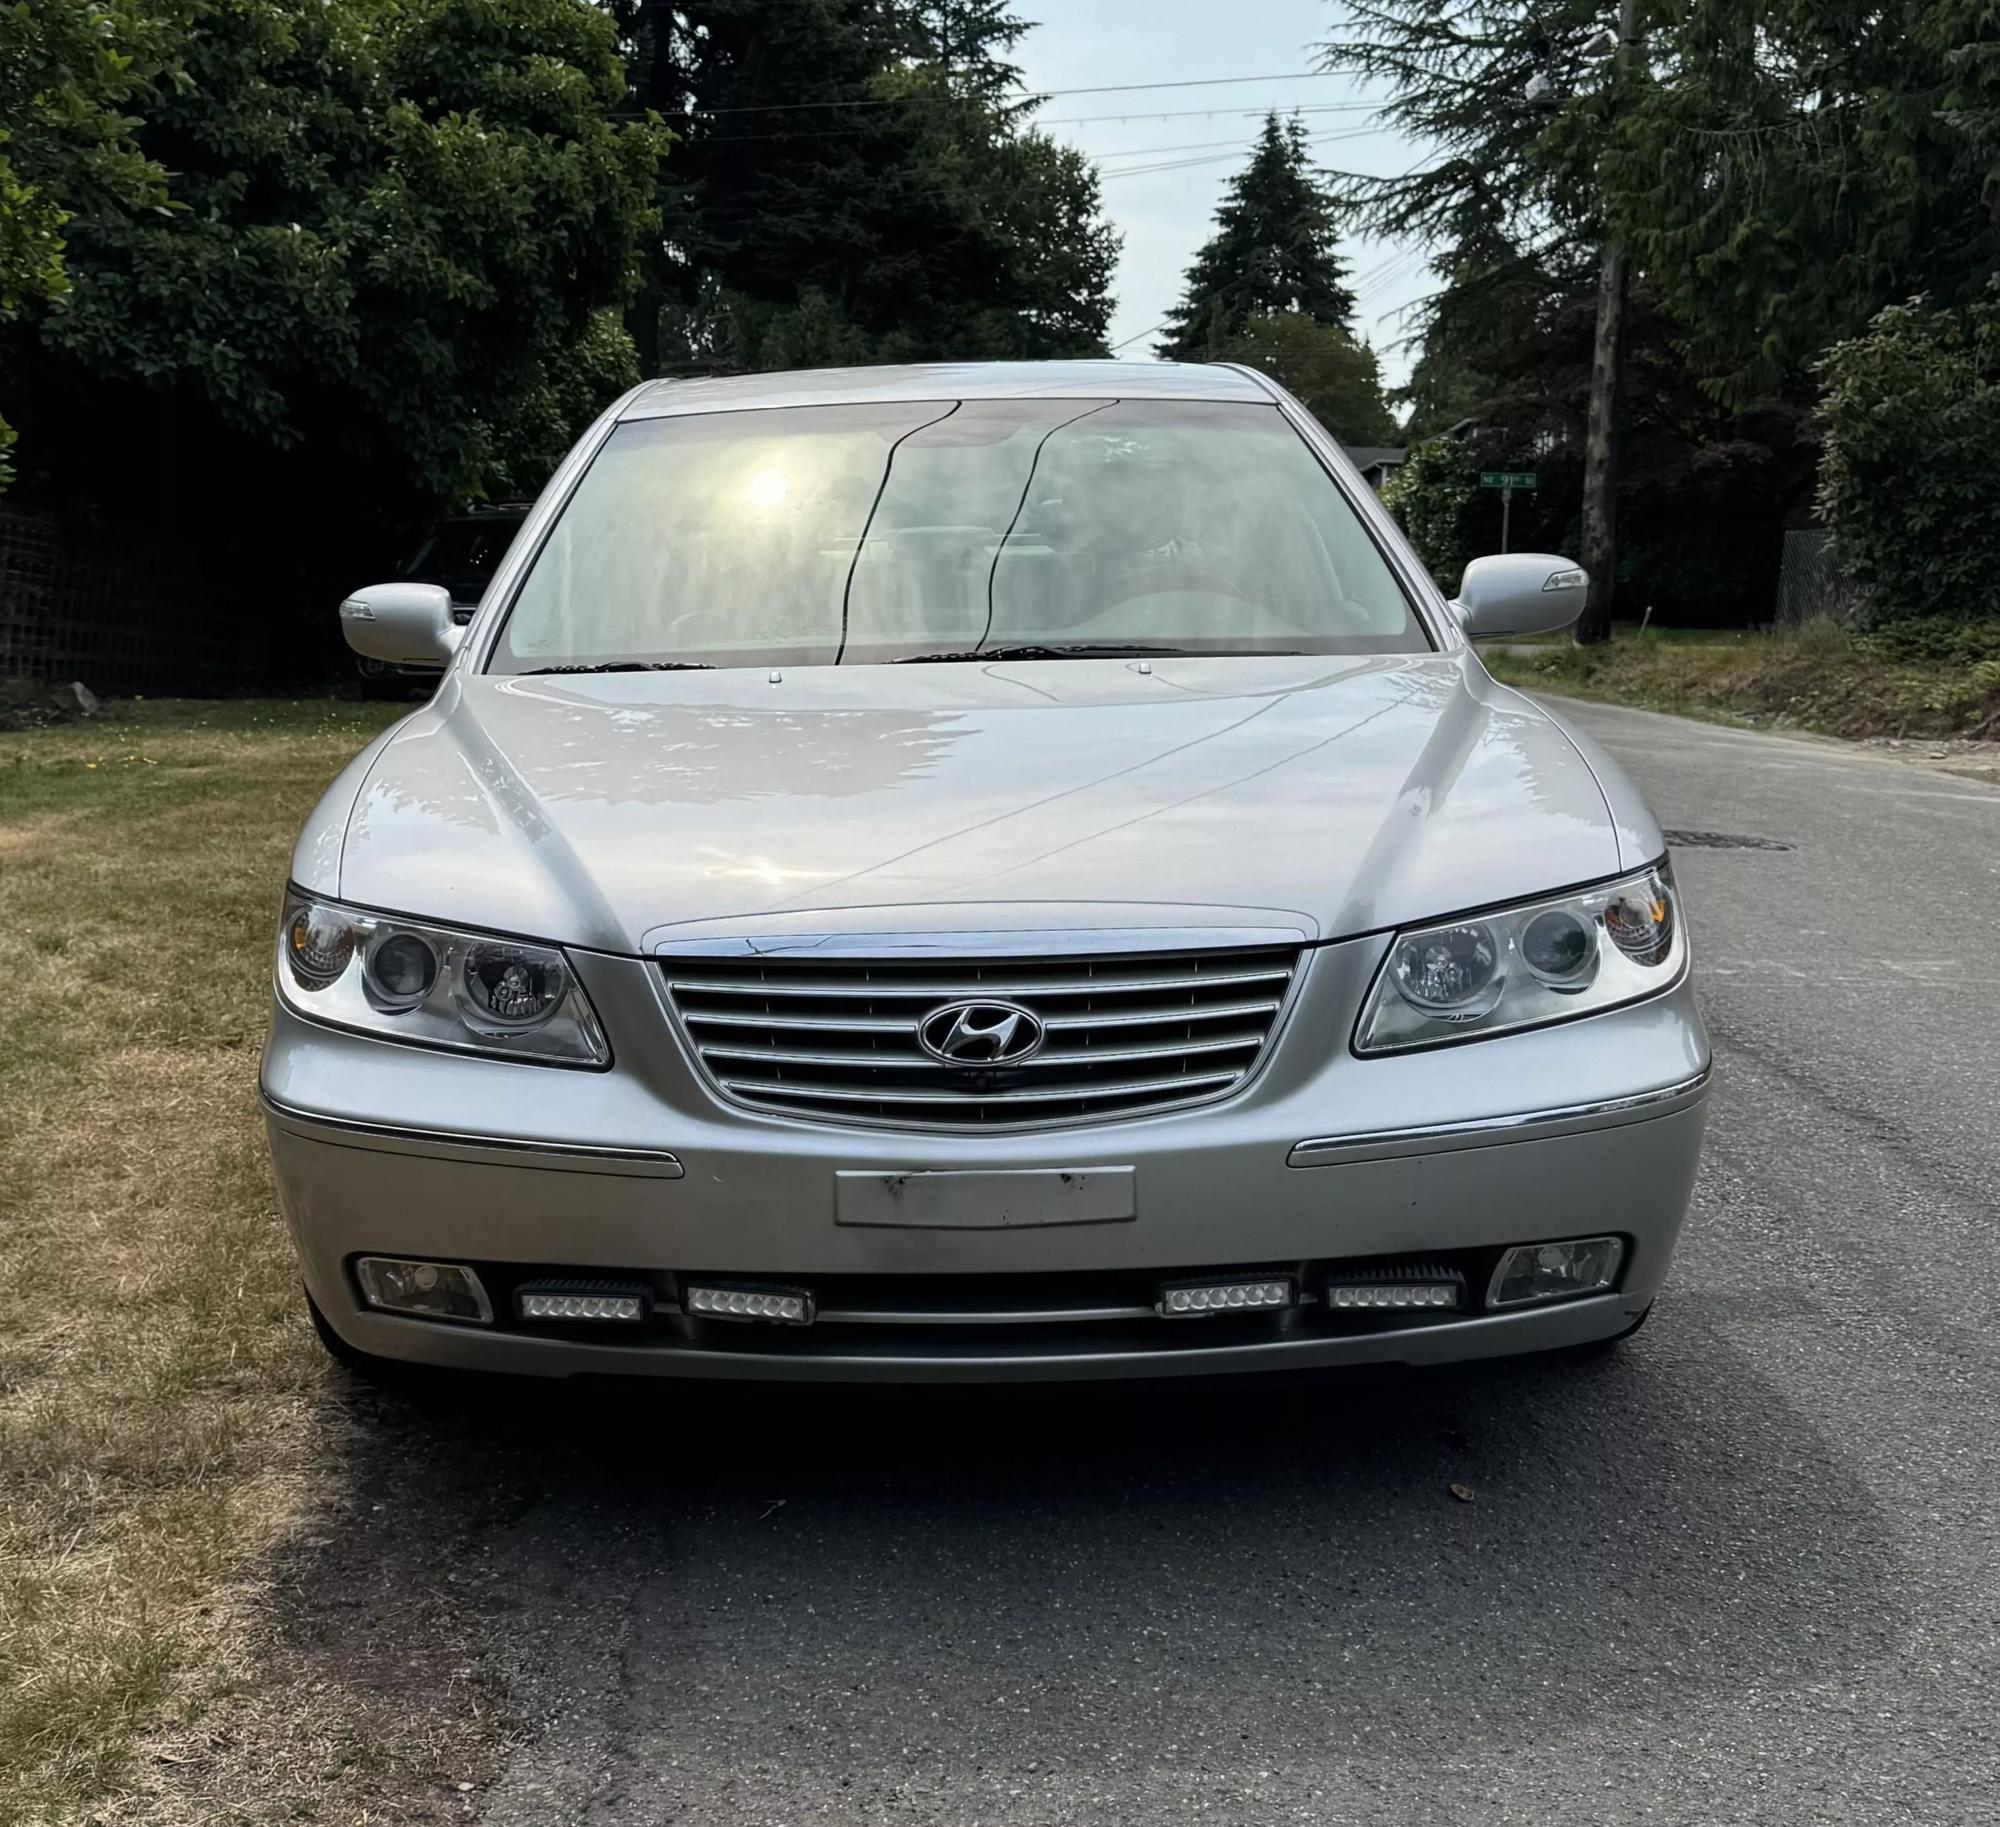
{"x":1747,"y":1570}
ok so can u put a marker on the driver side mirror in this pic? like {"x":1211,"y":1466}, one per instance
{"x":1520,"y":593}
{"x":401,"y":623}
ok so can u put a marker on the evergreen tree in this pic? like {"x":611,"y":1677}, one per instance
{"x":1777,"y":170}
{"x":970,"y":40}
{"x":1274,"y":250}
{"x":1823,"y":159}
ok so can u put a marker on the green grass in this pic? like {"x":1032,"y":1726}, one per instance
{"x":156,"y":1381}
{"x":1813,"y":678}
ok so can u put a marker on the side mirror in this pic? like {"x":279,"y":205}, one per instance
{"x":1520,"y":593}
{"x":401,"y":623}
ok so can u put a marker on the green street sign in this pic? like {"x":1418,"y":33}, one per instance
{"x":1506,"y":478}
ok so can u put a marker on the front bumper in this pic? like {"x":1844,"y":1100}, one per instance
{"x":1590,"y":1127}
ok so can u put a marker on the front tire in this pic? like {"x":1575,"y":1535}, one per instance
{"x":377,"y":1373}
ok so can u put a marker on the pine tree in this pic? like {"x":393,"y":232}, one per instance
{"x":1274,"y":250}
{"x":1777,"y":170}
{"x":971,"y":40}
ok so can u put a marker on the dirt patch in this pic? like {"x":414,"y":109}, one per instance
{"x":1968,"y":758}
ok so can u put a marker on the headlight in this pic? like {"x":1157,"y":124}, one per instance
{"x":1522,"y":966}
{"x":435,"y":986}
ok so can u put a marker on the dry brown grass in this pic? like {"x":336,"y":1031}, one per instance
{"x":166,"y":1422}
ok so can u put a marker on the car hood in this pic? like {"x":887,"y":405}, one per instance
{"x":1327,"y":796}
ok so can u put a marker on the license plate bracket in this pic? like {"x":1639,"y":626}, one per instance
{"x":955,"y":1199}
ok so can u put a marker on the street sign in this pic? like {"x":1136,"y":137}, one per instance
{"x":1506,"y":481}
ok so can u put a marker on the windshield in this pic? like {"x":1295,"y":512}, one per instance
{"x":830,"y":535}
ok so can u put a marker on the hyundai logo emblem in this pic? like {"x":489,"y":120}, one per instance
{"x":981,"y":1033}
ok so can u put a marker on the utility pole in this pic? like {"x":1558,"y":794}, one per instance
{"x":1600,"y":438}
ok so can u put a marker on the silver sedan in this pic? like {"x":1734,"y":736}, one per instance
{"x":976,"y":872}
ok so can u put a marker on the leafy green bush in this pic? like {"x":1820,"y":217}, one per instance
{"x":1434,"y":497}
{"x":1910,"y":480}
{"x":1932,"y":639}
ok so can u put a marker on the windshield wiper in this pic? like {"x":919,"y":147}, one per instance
{"x":534,"y":672}
{"x":1034,"y":651}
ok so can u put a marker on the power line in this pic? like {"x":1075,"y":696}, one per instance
{"x":1074,"y":120}
{"x":1175,"y":114}
{"x":1140,"y":152}
{"x":1028,"y":99}
{"x":1216,"y":158}
{"x":1134,"y":152}
{"x":1391,"y":273}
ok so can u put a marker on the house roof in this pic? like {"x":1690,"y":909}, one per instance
{"x":1373,"y":456}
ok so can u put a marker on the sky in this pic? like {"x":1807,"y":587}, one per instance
{"x":1165,"y":215}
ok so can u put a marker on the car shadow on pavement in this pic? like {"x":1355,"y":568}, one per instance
{"x":938,"y":1592}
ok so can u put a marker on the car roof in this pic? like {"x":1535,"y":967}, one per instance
{"x":949,"y":381}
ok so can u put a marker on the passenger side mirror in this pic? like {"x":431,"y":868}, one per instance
{"x":401,"y":623}
{"x":1520,"y":593}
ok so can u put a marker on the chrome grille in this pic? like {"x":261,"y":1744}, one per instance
{"x":836,"y":1038}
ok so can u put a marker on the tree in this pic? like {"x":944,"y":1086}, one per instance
{"x":1779,"y":170}
{"x":1335,"y":377}
{"x":396,"y":228}
{"x":1776,"y":172}
{"x":1503,"y":95}
{"x":66,"y":66}
{"x":1505,"y":339}
{"x":855,"y":185}
{"x":1275,"y":249}
{"x":970,"y":40}
{"x":1823,"y":159}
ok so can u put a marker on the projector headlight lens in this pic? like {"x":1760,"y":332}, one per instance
{"x":1522,"y":967}
{"x":438,"y":987}
{"x":1560,"y":949}
{"x":401,"y":969}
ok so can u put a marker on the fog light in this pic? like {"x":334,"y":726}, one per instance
{"x":1257,"y":1294}
{"x":1554,"y":1271}
{"x":1425,"y":1286}
{"x":583,"y":1300}
{"x":750,"y":1301}
{"x":431,"y":1290}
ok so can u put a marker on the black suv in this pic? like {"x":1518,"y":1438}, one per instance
{"x":461,"y":552}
